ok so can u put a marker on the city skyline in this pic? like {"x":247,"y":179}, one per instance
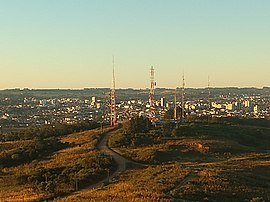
{"x":69,"y":44}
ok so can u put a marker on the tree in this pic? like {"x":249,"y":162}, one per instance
{"x":137,"y":125}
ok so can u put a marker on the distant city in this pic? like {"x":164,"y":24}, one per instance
{"x":26,"y":107}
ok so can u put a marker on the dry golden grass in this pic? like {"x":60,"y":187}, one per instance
{"x":9,"y":192}
{"x":121,"y":191}
{"x":23,"y":194}
{"x":11,"y":146}
{"x":213,"y":175}
{"x":219,"y":168}
{"x":240,"y":178}
{"x":80,"y":145}
{"x":185,"y":149}
{"x":149,"y":184}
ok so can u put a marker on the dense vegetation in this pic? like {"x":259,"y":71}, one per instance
{"x":190,"y":139}
{"x":81,"y":173}
{"x":256,"y":137}
{"x":43,"y":141}
{"x":73,"y":167}
{"x":25,"y":153}
{"x":47,"y":131}
{"x":134,"y":133}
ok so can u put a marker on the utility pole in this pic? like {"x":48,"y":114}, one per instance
{"x":113,"y":100}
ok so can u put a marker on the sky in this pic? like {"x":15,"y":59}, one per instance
{"x":70,"y":43}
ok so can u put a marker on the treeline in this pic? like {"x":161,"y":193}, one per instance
{"x":88,"y":170}
{"x":245,"y":134}
{"x":47,"y":131}
{"x":259,"y":122}
{"x":246,"y":121}
{"x":140,"y":132}
{"x":36,"y":149}
{"x":44,"y":141}
{"x":136,"y":132}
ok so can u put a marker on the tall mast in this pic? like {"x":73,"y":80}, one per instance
{"x":175,"y":107}
{"x":113,"y":99}
{"x":183,"y":99}
{"x":152,"y":115}
{"x":209,"y":101}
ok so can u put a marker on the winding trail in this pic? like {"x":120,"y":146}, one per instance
{"x":191,"y":176}
{"x":120,"y":161}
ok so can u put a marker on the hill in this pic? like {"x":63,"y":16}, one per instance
{"x":224,"y":159}
{"x":64,"y":170}
{"x":195,"y":162}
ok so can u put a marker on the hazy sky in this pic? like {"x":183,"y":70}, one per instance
{"x":70,"y":43}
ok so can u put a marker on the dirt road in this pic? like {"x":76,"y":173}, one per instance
{"x":120,"y":161}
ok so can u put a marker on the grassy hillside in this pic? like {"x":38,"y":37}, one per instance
{"x":228,"y":161}
{"x":243,"y":178}
{"x":67,"y":169}
{"x":225,"y":160}
{"x":191,"y":142}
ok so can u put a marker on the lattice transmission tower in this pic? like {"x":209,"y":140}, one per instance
{"x":209,"y":101}
{"x":113,"y":100}
{"x":152,"y":110}
{"x":175,"y":105}
{"x":183,"y":99}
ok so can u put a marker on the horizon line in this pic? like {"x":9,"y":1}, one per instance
{"x":126,"y":88}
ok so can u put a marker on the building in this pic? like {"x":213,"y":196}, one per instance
{"x":163,"y":102}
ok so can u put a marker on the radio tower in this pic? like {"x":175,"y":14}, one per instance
{"x":175,"y":106}
{"x":183,"y":100}
{"x":152,"y":114}
{"x":209,"y":101}
{"x":113,"y":102}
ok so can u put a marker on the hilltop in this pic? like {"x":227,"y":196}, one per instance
{"x":205,"y":161}
{"x":130,"y":93}
{"x":196,"y":162}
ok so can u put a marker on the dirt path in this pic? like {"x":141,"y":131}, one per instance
{"x":120,"y":161}
{"x":191,"y":176}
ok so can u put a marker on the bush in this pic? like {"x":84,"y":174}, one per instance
{"x":85,"y":171}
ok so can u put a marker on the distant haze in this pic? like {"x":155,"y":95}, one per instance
{"x":70,"y":43}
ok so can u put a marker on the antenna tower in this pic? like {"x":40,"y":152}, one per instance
{"x":152,"y":115}
{"x":175,"y":107}
{"x":113,"y":98}
{"x":209,"y":101}
{"x":183,"y":100}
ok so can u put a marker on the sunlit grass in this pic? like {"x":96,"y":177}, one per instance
{"x":150,"y":184}
{"x":80,"y":145}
